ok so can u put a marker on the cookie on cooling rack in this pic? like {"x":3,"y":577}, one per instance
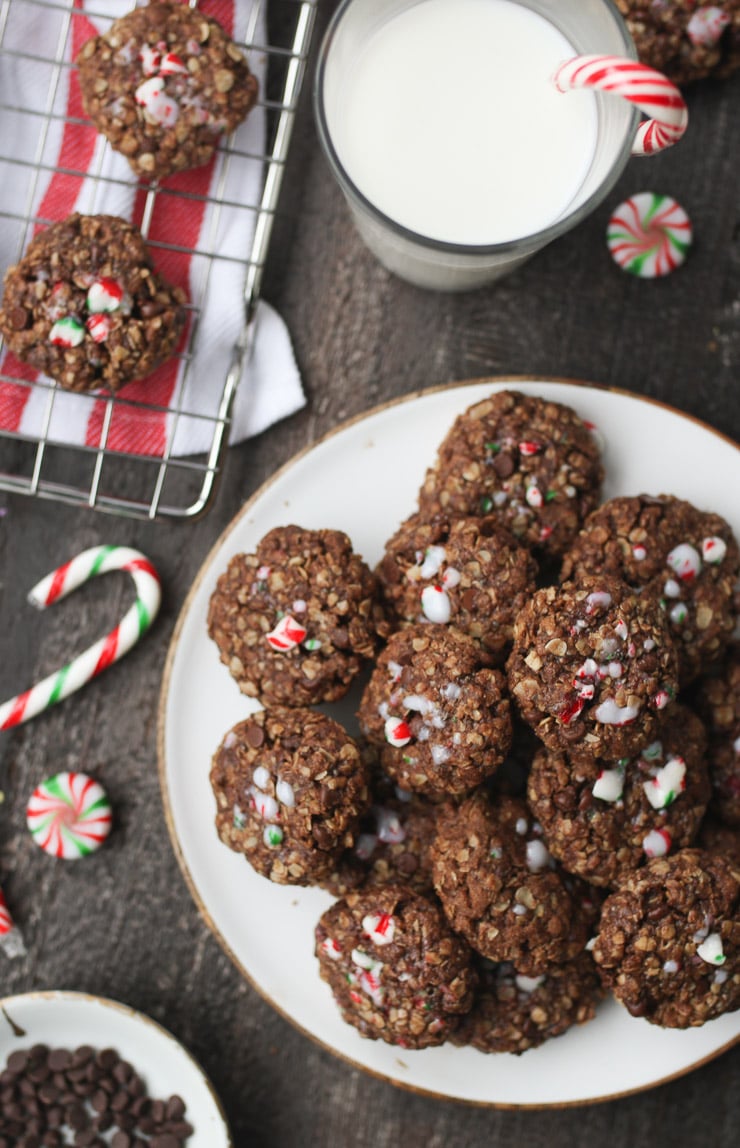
{"x":684,"y":39}
{"x":85,"y":305}
{"x":162,"y":85}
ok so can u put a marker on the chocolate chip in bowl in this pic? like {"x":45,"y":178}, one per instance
{"x":80,"y":1069}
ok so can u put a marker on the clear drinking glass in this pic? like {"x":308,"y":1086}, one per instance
{"x":591,"y":26}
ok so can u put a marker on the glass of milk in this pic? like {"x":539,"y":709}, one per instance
{"x":458,"y":156}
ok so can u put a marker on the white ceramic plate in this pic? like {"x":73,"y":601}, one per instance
{"x":364,"y":479}
{"x":67,"y":1020}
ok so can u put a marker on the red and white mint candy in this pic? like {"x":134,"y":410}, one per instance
{"x":11,"y":941}
{"x":67,"y":332}
{"x":287,"y":634}
{"x":171,"y":64}
{"x":380,"y":927}
{"x":69,"y":815}
{"x":99,"y":327}
{"x":713,"y":550}
{"x":397,"y":732}
{"x":649,"y":235}
{"x":707,"y":25}
{"x":157,"y":105}
{"x":150,"y":59}
{"x":104,"y":295}
{"x":657,"y":843}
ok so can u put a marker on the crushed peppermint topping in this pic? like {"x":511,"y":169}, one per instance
{"x":388,"y":826}
{"x":522,"y":825}
{"x":684,"y":561}
{"x":261,"y":777}
{"x":609,"y":713}
{"x":434,"y":556}
{"x":609,"y":785}
{"x":668,"y":782}
{"x":657,"y":843}
{"x":330,"y":947}
{"x":397,"y":732}
{"x":538,"y":857}
{"x":711,"y":950}
{"x":286,"y":635}
{"x":599,"y":600}
{"x":435,"y":604}
{"x":528,"y":984}
{"x":380,"y":927}
{"x":713,"y":550}
{"x":285,"y":794}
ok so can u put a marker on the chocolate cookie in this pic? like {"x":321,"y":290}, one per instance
{"x":290,"y":788}
{"x":85,"y":305}
{"x":391,"y":845}
{"x":295,"y":621}
{"x":668,"y":944}
{"x":531,"y":463}
{"x":603,"y":822}
{"x":512,"y":1012}
{"x":468,"y":573}
{"x":396,"y":969}
{"x":719,"y":703}
{"x":684,"y":39}
{"x":593,"y":667}
{"x":716,"y":837}
{"x":498,"y":886}
{"x":441,"y":722}
{"x":162,"y":85}
{"x":685,"y":559}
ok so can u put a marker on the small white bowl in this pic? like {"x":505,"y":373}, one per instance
{"x":67,"y":1020}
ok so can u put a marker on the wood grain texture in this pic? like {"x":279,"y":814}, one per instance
{"x":123,"y":924}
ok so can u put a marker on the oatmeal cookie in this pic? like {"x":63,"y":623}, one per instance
{"x":668,"y":944}
{"x":531,"y":463}
{"x":441,"y":722}
{"x":601,"y":822}
{"x":717,"y":837}
{"x":296,"y":621}
{"x":685,"y":40}
{"x":499,"y":888}
{"x":593,"y":667}
{"x":86,"y":307}
{"x":163,"y":84}
{"x":290,"y":788}
{"x":719,"y":702}
{"x":396,"y":969}
{"x":512,"y":1012}
{"x":391,"y":845}
{"x":684,"y":558}
{"x":468,"y":573}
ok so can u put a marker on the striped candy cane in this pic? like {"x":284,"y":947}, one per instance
{"x":137,"y":620}
{"x":11,"y":941}
{"x":647,"y":89}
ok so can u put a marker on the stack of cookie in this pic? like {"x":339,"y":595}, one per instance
{"x":491,"y":889}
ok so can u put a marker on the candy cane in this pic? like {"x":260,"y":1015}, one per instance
{"x":137,"y":620}
{"x":649,"y":90}
{"x":11,"y":941}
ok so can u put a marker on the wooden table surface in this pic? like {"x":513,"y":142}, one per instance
{"x":123,"y":923}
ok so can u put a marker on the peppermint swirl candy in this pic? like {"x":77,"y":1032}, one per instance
{"x":69,"y":815}
{"x":649,"y":235}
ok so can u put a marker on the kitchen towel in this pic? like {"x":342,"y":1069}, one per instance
{"x":53,"y":162}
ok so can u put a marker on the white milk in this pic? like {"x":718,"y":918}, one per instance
{"x":451,"y":125}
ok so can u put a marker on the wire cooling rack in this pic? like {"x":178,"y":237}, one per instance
{"x":142,"y":485}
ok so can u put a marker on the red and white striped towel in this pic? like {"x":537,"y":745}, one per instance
{"x":79,"y":172}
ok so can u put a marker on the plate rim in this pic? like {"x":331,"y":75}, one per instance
{"x":200,"y":576}
{"x":78,"y":997}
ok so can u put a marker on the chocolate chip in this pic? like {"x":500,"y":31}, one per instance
{"x":255,"y":735}
{"x":166,"y":1140}
{"x":121,"y":1140}
{"x":18,"y":318}
{"x":503,"y":464}
{"x":17,"y":1061}
{"x":175,"y":1109}
{"x":59,"y":1060}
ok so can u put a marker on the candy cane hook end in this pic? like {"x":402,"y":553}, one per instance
{"x":137,"y":620}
